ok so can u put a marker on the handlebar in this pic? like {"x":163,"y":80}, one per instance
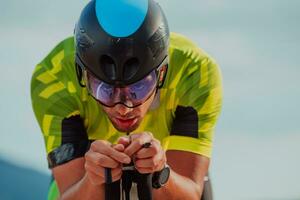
{"x":130,"y":175}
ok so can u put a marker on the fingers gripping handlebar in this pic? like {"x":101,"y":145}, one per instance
{"x":113,"y":190}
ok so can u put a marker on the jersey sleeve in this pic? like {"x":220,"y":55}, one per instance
{"x":198,"y":100}
{"x":56,"y":105}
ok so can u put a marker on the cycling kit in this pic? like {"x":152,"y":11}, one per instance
{"x":182,"y":116}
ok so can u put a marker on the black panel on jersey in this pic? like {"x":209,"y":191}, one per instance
{"x":74,"y":142}
{"x":185,"y":122}
{"x":73,"y":130}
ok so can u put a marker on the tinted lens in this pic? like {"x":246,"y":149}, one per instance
{"x":131,"y":95}
{"x":141,"y":89}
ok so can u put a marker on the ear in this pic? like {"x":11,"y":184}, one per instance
{"x":162,"y":73}
{"x":79,"y":74}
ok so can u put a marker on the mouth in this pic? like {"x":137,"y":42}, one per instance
{"x":125,"y":123}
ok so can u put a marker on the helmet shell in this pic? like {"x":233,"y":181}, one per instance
{"x":116,"y":57}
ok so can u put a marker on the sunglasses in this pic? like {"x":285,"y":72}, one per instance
{"x":131,"y":95}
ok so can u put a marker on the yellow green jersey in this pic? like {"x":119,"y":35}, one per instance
{"x":183,"y":116}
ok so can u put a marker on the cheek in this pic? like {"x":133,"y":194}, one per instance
{"x":145,"y":107}
{"x":108,"y":111}
{"x":141,"y":113}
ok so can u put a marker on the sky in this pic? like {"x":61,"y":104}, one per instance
{"x":256,"y":43}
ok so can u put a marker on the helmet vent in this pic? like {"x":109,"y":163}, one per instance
{"x":108,"y":67}
{"x":131,"y":67}
{"x":159,"y":40}
{"x":83,"y":41}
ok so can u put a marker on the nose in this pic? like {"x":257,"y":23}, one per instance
{"x":123,"y":110}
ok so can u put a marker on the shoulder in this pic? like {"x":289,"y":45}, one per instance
{"x":54,"y":78}
{"x":184,"y":55}
{"x":179,"y":41}
{"x":57,"y":66}
{"x":185,"y":47}
{"x":62,"y":52}
{"x":188,"y":61}
{"x":65,"y":47}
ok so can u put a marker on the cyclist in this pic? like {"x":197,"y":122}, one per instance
{"x":123,"y":73}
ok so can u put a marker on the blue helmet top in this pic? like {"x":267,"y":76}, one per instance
{"x":121,"y":18}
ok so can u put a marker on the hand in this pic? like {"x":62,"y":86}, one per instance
{"x":147,"y":160}
{"x":103,"y":155}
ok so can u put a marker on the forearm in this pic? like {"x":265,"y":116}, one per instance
{"x":83,"y":189}
{"x":179,"y":187}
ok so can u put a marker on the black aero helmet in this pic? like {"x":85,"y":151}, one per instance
{"x":121,"y":41}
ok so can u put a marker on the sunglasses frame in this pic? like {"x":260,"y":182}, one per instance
{"x":160,"y":71}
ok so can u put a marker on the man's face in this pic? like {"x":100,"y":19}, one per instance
{"x":127,"y":119}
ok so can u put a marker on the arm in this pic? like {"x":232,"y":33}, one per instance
{"x":73,"y":182}
{"x":186,"y":178}
{"x":187,"y":169}
{"x":199,"y":96}
{"x":84,"y":178}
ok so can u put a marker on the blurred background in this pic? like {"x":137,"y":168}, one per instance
{"x":256,"y":43}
